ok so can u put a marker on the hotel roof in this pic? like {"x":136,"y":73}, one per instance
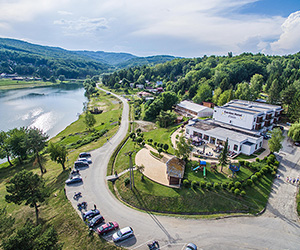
{"x":192,"y":106}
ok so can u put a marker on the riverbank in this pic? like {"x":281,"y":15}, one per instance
{"x":8,"y":84}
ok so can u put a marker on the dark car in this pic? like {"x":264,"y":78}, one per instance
{"x":72,"y":180}
{"x":90,"y":214}
{"x":297,"y":143}
{"x":80,"y":164}
{"x":191,"y":246}
{"x":110,"y":226}
{"x":96,"y":220}
{"x":84,"y":155}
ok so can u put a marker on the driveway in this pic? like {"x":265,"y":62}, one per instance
{"x":278,"y":228}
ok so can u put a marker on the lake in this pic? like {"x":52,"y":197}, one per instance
{"x":48,"y":108}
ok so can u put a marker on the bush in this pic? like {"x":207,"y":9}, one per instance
{"x":216,"y":186}
{"x":155,"y":143}
{"x":230,"y":184}
{"x":237,"y":184}
{"x":232,"y":189}
{"x":139,"y":140}
{"x":254,"y":178}
{"x":166,"y":147}
{"x":249,"y":182}
{"x":208,"y":185}
{"x":258,"y":174}
{"x":257,"y":160}
{"x":138,"y":130}
{"x":203,"y":184}
{"x":224,"y":185}
{"x":241,"y":162}
{"x":186,"y":183}
{"x":150,"y":140}
{"x":126,"y":181}
{"x":276,"y":163}
{"x":243,"y":193}
{"x":194,"y":184}
{"x":237,"y":191}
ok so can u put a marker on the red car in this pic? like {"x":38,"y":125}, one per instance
{"x":110,"y":226}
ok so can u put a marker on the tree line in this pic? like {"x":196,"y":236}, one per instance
{"x":219,"y":79}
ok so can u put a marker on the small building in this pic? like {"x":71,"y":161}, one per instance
{"x":143,"y":94}
{"x":208,"y":104}
{"x":194,"y":109}
{"x":140,"y":86}
{"x":175,"y":170}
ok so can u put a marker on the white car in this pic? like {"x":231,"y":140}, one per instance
{"x":88,"y":161}
{"x":122,"y":234}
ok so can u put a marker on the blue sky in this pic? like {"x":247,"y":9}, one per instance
{"x":189,"y":28}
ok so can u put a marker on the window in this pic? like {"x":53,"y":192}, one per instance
{"x":187,"y":131}
{"x":235,"y":147}
{"x":241,"y":148}
{"x":260,"y":144}
{"x":255,"y":146}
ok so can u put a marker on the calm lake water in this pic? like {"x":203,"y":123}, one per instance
{"x":49,"y":108}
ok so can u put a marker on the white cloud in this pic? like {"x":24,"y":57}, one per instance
{"x":289,"y":41}
{"x":64,"y":13}
{"x":83,"y":25}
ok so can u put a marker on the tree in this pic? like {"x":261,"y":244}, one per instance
{"x":27,"y":187}
{"x":275,"y":140}
{"x":294,"y":108}
{"x":225,"y":97}
{"x":6,"y":222}
{"x":294,"y":131}
{"x":90,"y":120}
{"x":183,"y":149}
{"x":30,"y":237}
{"x":37,"y":141}
{"x":166,"y":118}
{"x":204,"y":93}
{"x":169,"y":99}
{"x":223,"y":157}
{"x":4,"y":147}
{"x":17,"y":143}
{"x":256,"y":84}
{"x":243,"y":91}
{"x":274,"y":92}
{"x":52,"y":79}
{"x":287,"y":95}
{"x":58,"y":153}
{"x":216,"y":96}
{"x":61,"y":78}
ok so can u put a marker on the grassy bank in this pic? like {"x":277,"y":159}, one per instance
{"x":57,"y":210}
{"x":6,"y":84}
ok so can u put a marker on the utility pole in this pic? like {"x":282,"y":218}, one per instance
{"x":131,"y":168}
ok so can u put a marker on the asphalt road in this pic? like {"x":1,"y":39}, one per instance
{"x":277,"y":228}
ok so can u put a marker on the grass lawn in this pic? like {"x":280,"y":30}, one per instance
{"x":162,"y":135}
{"x":149,"y":195}
{"x":57,"y":210}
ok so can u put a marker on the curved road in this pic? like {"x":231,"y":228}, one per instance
{"x":277,"y":228}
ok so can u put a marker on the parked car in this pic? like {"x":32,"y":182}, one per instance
{"x":89,"y":161}
{"x":90,"y":214}
{"x":84,"y":155}
{"x":110,"y":226}
{"x":96,"y":220}
{"x":74,"y":179}
{"x":297,"y":143}
{"x":191,"y":246}
{"x":122,"y":234}
{"x":80,"y":164}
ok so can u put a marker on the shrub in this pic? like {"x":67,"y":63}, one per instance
{"x":224,"y":185}
{"x":246,"y":163}
{"x":249,"y":182}
{"x":203,"y":184}
{"x":138,"y":130}
{"x":243,"y":193}
{"x":166,"y":147}
{"x":177,"y":136}
{"x":155,"y":143}
{"x":257,"y":160}
{"x":237,"y":191}
{"x":208,"y":185}
{"x":79,"y":141}
{"x":126,"y":181}
{"x":139,"y":140}
{"x":232,"y":189}
{"x":237,"y":184}
{"x":186,"y":183}
{"x":273,"y":173}
{"x":258,"y":174}
{"x":242,"y":162}
{"x":276,"y":163}
{"x":150,"y":140}
{"x":194,"y":184}
{"x":230,"y":184}
{"x":254,"y":178}
{"x":216,"y":186}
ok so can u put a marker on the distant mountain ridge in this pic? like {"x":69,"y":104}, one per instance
{"x":109,"y":60}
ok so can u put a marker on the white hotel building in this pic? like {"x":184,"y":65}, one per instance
{"x":241,"y":122}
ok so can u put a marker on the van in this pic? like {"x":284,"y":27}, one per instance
{"x":80,"y":164}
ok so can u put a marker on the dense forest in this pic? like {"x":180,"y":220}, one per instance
{"x":26,"y":59}
{"x":222,"y":78}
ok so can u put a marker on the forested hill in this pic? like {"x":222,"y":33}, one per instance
{"x":25,"y":58}
{"x":221,"y":79}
